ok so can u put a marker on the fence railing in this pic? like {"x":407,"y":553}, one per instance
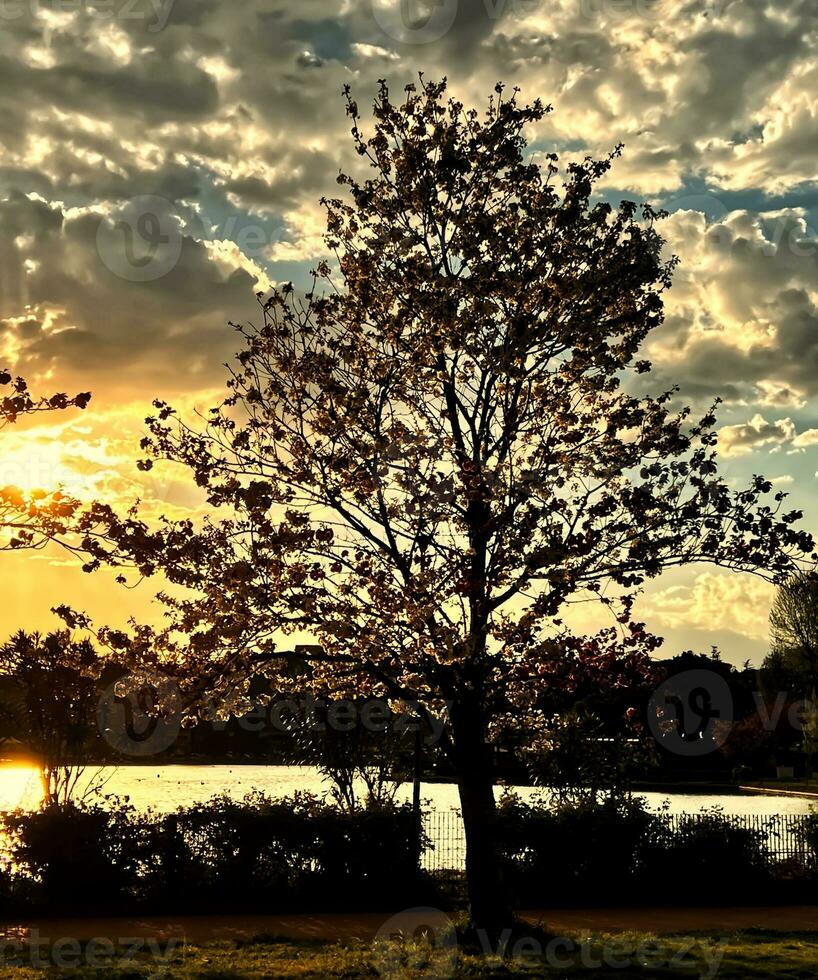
{"x":447,"y":848}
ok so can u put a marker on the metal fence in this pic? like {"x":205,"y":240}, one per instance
{"x":447,"y":847}
{"x":447,"y":841}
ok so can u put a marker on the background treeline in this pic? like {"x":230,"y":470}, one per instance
{"x":51,"y":686}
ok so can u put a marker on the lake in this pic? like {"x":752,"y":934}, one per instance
{"x":164,"y":788}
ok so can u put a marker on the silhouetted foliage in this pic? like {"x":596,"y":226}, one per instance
{"x":616,"y":851}
{"x":84,"y":857}
{"x":50,"y":697}
{"x":224,"y":855}
{"x":364,"y":766}
{"x":31,"y":519}
{"x":794,"y":633}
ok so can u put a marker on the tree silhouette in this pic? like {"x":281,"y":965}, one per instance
{"x":50,"y":689}
{"x":425,"y":458}
{"x":794,"y":626}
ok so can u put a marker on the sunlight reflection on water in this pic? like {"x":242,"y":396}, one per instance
{"x":164,"y":788}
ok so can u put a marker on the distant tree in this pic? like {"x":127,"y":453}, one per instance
{"x":794,"y":630}
{"x":424,"y":459}
{"x":50,"y":692}
{"x":362,"y":765}
{"x":584,"y":735}
{"x":742,"y":682}
{"x":580,"y":759}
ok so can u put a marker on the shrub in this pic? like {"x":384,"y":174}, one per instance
{"x":71,"y":856}
{"x":615,"y":851}
{"x":224,"y":855}
{"x":576,"y":852}
{"x":808,"y":838}
{"x":706,"y":859}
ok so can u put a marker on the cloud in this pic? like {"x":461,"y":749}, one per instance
{"x":70,"y":307}
{"x":778,"y":394}
{"x":712,"y":601}
{"x":757,"y":433}
{"x":742,"y":322}
{"x":232,"y":114}
{"x":737,"y":440}
{"x":807,"y":438}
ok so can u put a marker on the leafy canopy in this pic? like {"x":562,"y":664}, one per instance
{"x":426,"y":457}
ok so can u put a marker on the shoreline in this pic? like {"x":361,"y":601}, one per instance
{"x":770,"y":791}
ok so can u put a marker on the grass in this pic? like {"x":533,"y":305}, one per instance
{"x":743,"y":956}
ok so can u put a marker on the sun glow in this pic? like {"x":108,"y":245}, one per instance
{"x":20,"y":786}
{"x":39,"y":467}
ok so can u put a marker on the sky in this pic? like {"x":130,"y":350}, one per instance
{"x":161,"y":161}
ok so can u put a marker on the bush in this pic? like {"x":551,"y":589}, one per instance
{"x":708,"y":860}
{"x":576,"y":853}
{"x":69,"y":856}
{"x":616,"y":851}
{"x":304,"y":854}
{"x":223,"y":855}
{"x":808,"y":838}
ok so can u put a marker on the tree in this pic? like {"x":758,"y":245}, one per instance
{"x":425,"y":458}
{"x":17,"y":400}
{"x":364,"y":766}
{"x":794,"y":629}
{"x":51,"y":690}
{"x":584,"y":737}
{"x":32,"y":519}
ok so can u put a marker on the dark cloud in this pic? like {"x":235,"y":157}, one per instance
{"x":232,"y":114}
{"x":87,"y":322}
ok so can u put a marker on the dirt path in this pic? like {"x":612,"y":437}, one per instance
{"x":333,"y":926}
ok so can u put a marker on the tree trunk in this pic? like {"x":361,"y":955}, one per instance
{"x":489,"y":908}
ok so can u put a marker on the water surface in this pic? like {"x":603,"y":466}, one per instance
{"x":164,"y":788}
